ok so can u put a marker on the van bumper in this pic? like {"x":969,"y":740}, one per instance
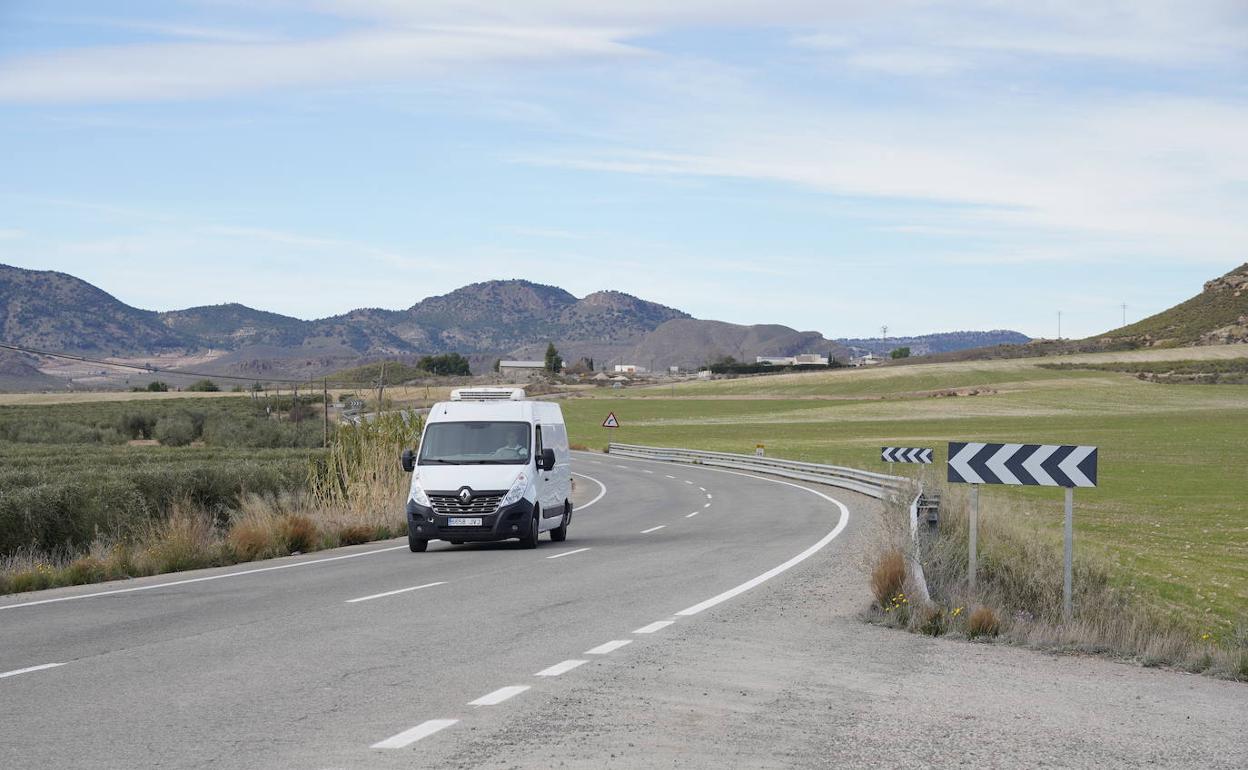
{"x":424,"y":524}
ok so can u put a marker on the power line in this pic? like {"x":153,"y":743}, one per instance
{"x":156,"y":370}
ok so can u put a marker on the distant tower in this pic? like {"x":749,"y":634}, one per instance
{"x":884,"y":331}
{"x":1059,"y":326}
{"x":1124,"y":314}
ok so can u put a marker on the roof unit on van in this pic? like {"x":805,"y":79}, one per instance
{"x":487,"y":394}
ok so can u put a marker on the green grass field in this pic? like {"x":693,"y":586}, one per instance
{"x":1170,"y":515}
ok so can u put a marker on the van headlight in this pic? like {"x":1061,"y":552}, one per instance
{"x":417,"y":495}
{"x":516,"y":492}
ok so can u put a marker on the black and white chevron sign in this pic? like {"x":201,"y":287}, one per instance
{"x":1042,"y":465}
{"x":898,"y":454}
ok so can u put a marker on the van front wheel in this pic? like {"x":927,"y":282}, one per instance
{"x":529,"y":539}
{"x":560,"y":533}
{"x":416,"y":546}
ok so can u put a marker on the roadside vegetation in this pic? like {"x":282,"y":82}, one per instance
{"x":83,"y":497}
{"x":1018,"y":596}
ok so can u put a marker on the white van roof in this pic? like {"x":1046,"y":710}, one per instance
{"x":487,"y":394}
{"x":542,"y":412}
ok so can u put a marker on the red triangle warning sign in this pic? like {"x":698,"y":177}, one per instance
{"x":611,"y":422}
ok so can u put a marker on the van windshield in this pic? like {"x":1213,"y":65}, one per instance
{"x":475,"y":443}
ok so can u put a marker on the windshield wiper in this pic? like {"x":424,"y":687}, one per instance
{"x":440,"y":460}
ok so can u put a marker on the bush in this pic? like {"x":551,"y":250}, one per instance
{"x":983,"y":622}
{"x":203,"y":386}
{"x":934,"y":622}
{"x":178,"y":430}
{"x":354,"y":534}
{"x":297,"y":533}
{"x":888,"y":579}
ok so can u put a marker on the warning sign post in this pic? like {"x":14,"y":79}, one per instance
{"x":611,"y":422}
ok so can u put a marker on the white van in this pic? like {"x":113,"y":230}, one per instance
{"x":491,"y":466}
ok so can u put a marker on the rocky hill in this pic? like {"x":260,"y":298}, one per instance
{"x":1216,"y":316}
{"x":54,"y":311}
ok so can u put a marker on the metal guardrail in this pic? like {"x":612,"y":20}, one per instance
{"x":877,"y":485}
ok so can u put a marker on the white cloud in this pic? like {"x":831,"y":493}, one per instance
{"x":197,"y":70}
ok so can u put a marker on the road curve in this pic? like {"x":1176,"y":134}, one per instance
{"x":372,"y":655}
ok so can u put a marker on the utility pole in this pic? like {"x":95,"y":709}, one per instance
{"x":1059,"y":326}
{"x":1124,"y":314}
{"x":381,"y":386}
{"x":325,"y":403}
{"x":884,"y":331}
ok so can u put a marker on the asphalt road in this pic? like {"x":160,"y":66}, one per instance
{"x":375,"y":657}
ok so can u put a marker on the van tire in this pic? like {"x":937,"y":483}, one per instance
{"x":416,"y":546}
{"x":529,"y":540}
{"x":560,"y":533}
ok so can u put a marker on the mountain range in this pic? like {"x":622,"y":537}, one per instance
{"x":495,"y":319}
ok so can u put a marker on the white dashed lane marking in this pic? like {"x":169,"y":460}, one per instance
{"x":669,"y":476}
{"x":609,"y":647}
{"x":708,"y":505}
{"x":568,"y":553}
{"x":29,"y":670}
{"x":691,"y":515}
{"x":499,"y":695}
{"x":397,"y":591}
{"x":687,"y":481}
{"x":561,"y":668}
{"x":657,"y":625}
{"x":408,"y":737}
{"x":653,"y":529}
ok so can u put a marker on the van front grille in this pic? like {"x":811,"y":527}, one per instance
{"x":481,"y":504}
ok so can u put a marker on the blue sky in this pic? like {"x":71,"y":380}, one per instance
{"x":834,"y":166}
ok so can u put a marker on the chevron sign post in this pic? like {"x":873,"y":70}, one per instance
{"x":1033,"y":465}
{"x":896,"y":454}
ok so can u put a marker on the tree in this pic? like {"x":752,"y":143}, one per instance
{"x":445,"y":365}
{"x":901,"y":353}
{"x":554,"y":362}
{"x":497,"y":363}
{"x":156,"y":386}
{"x":203,"y":386}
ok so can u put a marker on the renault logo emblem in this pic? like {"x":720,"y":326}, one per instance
{"x":465,"y":495}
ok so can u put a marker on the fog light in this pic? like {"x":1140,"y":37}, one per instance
{"x":420,"y":529}
{"x":515,"y":528}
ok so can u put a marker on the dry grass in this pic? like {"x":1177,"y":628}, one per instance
{"x":983,"y":622}
{"x":888,"y":579}
{"x":1019,"y":596}
{"x":357,"y":496}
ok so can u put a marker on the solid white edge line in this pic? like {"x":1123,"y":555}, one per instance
{"x":397,"y":591}
{"x":568,"y":553}
{"x":657,"y":625}
{"x":32,"y":669}
{"x":408,"y":737}
{"x":499,"y":695}
{"x":769,"y":574}
{"x":205,"y":579}
{"x":609,"y":647}
{"x":601,"y":493}
{"x":562,"y":668}
{"x":653,"y":529}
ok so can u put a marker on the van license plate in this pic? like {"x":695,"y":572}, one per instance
{"x":463,"y":522}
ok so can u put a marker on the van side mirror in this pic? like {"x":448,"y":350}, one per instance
{"x":408,"y":460}
{"x":548,"y":459}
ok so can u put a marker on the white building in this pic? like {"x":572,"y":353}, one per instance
{"x":629,"y":369}
{"x":803,"y":359}
{"x":869,"y":359}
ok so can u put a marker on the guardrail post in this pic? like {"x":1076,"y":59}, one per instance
{"x":971,"y":557}
{"x":1068,"y":577}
